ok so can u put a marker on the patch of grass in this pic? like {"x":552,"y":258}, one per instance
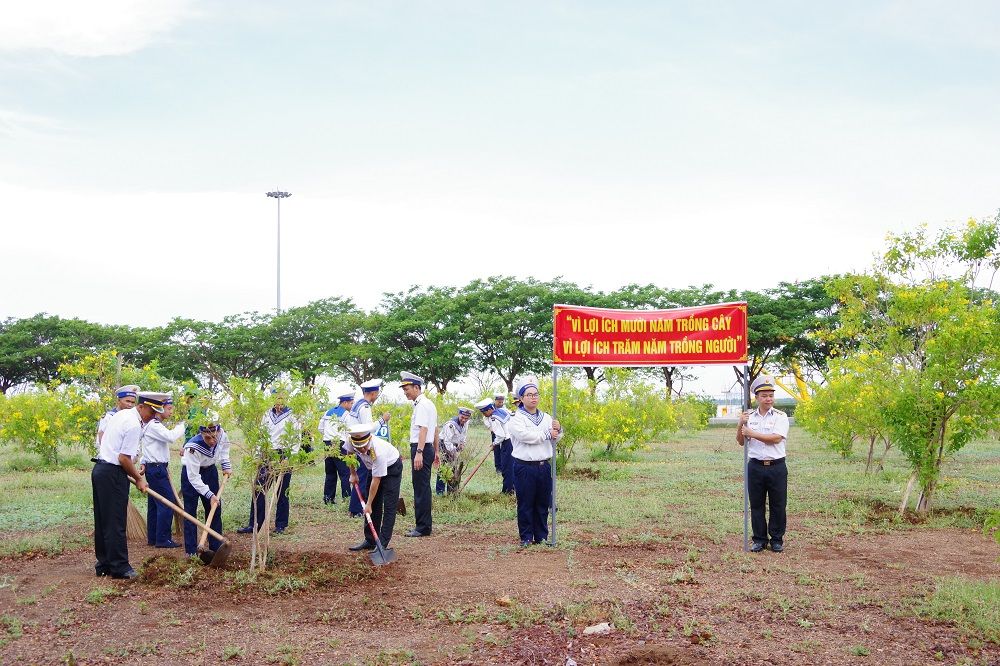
{"x":45,"y":544}
{"x":231,"y":652}
{"x":287,"y":655}
{"x":12,"y":625}
{"x":973,"y":606}
{"x":683,"y":574}
{"x":100,"y":595}
{"x":395,"y":657}
{"x":859,"y":651}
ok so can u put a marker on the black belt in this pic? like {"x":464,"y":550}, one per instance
{"x":156,"y":464}
{"x":768,"y":463}
{"x":531,"y":462}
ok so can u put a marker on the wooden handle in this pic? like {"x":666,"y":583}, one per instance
{"x":181,"y":512}
{"x":211,"y":514}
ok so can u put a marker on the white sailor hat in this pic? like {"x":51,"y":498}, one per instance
{"x":528,"y":381}
{"x":372,"y":385}
{"x":209,"y":422}
{"x":361,"y":433}
{"x":464,"y":411}
{"x":129,"y":390}
{"x":407,"y":378}
{"x":154,"y":401}
{"x":762,"y":383}
{"x":500,"y":394}
{"x":345,"y":394}
{"x":484,"y":405}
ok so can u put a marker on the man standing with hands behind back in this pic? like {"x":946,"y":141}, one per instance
{"x":765,"y":430}
{"x":423,"y":450}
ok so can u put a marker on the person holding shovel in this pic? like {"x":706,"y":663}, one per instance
{"x":534,"y":435}
{"x":113,"y":466}
{"x":200,"y":479}
{"x":454,"y":434}
{"x":385,"y":465}
{"x":156,"y":441}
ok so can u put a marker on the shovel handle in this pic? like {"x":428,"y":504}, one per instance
{"x":211,"y":514}
{"x":488,"y":452}
{"x":181,"y":512}
{"x":371,"y":525}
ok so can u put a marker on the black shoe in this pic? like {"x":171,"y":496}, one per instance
{"x":416,"y":533}
{"x":777,"y":546}
{"x":756,"y":547}
{"x":278,"y":530}
{"x":525,"y":544}
{"x":130,"y":574}
{"x":328,"y":500}
{"x":169,"y":543}
{"x":356,"y":515}
{"x":245,"y":530}
{"x":101,"y":573}
{"x":364,"y":545}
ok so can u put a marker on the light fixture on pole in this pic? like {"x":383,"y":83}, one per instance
{"x":279,"y":195}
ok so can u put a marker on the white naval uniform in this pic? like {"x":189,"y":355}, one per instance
{"x":385,"y":456}
{"x":122,"y":434}
{"x":279,"y":424}
{"x":453,"y":438}
{"x":156,"y":441}
{"x":198,"y":455}
{"x":531,"y":435}
{"x":773,"y":422}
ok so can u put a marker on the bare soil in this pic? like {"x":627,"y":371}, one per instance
{"x":466,"y":596}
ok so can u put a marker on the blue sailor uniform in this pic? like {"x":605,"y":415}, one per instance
{"x":199,"y":482}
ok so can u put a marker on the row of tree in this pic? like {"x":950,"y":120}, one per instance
{"x":501,"y":326}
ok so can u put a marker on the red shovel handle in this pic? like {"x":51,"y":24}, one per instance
{"x":371,"y":525}
{"x":488,"y":452}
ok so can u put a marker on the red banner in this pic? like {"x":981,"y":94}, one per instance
{"x":682,"y":336}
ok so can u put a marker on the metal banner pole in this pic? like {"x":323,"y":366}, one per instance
{"x":555,"y":401}
{"x":746,"y":464}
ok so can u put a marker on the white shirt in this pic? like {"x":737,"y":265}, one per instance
{"x":198,"y":454}
{"x":773,"y":422}
{"x":122,"y":433}
{"x":498,"y":427}
{"x":277,"y":425}
{"x":156,"y":441}
{"x":362,"y":411}
{"x":424,"y":415}
{"x":102,"y":424}
{"x":531,"y":442}
{"x":385,"y":455}
{"x":453,"y":437}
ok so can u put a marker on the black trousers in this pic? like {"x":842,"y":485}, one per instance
{"x":110,"y":485}
{"x":422,"y":488}
{"x":384,"y":505}
{"x":257,"y":502}
{"x":770,"y":482}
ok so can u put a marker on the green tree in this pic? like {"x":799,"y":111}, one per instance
{"x":509,"y":322}
{"x":241,"y":346}
{"x":423,"y":331}
{"x":361,"y":358}
{"x":312,"y":338}
{"x":31,"y":349}
{"x":926,"y":321}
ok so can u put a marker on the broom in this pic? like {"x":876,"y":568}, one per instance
{"x":135,"y":524}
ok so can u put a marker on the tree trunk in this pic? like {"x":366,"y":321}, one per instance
{"x":668,"y":380}
{"x":906,"y":493}
{"x":871,"y":452}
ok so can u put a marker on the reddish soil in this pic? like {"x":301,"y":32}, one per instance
{"x":465,"y":596}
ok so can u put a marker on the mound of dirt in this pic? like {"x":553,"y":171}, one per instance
{"x":660,"y":656}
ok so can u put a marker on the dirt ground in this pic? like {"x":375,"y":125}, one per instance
{"x":466,"y":596}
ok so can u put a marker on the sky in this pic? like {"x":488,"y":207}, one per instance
{"x":675,"y":143}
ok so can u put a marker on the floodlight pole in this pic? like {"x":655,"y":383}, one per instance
{"x":279,"y":195}
{"x":746,"y":463}
{"x":555,"y":402}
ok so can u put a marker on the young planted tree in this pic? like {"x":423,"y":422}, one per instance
{"x":926,"y":327}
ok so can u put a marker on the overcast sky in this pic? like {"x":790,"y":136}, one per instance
{"x":436,"y":142}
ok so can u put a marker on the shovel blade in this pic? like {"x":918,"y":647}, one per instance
{"x":206,"y":556}
{"x":221,"y":556}
{"x":382,"y":557}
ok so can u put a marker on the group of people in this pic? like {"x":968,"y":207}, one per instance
{"x":133,"y":445}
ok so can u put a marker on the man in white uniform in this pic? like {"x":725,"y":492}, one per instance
{"x":454,"y":434}
{"x":114,"y":465}
{"x":765,"y":430}
{"x":284,"y":430}
{"x":126,"y":400}
{"x":156,"y":441}
{"x":385,"y":465}
{"x":423,"y":451}
{"x":200,"y":479}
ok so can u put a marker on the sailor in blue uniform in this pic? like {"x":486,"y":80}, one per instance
{"x":284,"y":430}
{"x":156,"y":441}
{"x":125,"y":396}
{"x":496,"y":419}
{"x":333,"y":431}
{"x":534,"y":435}
{"x":498,"y":400}
{"x":200,"y":479}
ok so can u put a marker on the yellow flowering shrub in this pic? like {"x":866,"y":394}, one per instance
{"x":44,"y":421}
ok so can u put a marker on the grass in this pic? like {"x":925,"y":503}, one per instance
{"x":100,"y":595}
{"x":694,"y":482}
{"x":973,"y":606}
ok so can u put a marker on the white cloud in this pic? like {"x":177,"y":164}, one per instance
{"x":89,"y":29}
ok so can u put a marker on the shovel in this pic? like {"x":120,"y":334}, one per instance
{"x":219,"y":557}
{"x":211,"y":514}
{"x":380,"y":556}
